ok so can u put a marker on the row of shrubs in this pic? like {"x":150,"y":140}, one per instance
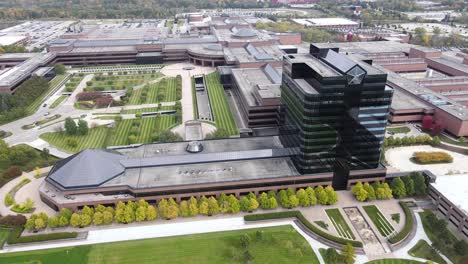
{"x":431,"y":157}
{"x":411,"y":140}
{"x":16,"y":238}
{"x":409,"y":220}
{"x":170,"y":209}
{"x":305,"y":222}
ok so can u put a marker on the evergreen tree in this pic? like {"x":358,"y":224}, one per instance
{"x":129,"y":213}
{"x":253,"y":205}
{"x":98,"y":218}
{"x":85,"y":220}
{"x":140,"y":214}
{"x":172,"y":211}
{"x":107,"y":218}
{"x":63,"y":221}
{"x":244,"y":204}
{"x":82,"y":128}
{"x":332,"y":196}
{"x":264,"y":201}
{"x":39,"y":224}
{"x":284,"y":199}
{"x":75,"y":220}
{"x":87,"y":211}
{"x":398,"y":188}
{"x":234,"y":206}
{"x":409,"y":185}
{"x":273,"y":203}
{"x":70,"y":126}
{"x":322,"y":196}
{"x":203,"y":208}
{"x":53,"y":222}
{"x":420,"y":187}
{"x":304,"y":200}
{"x":348,"y":253}
{"x":162,"y":208}
{"x":293,"y":201}
{"x":359,"y":192}
{"x":193,"y":206}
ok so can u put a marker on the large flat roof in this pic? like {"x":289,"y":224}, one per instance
{"x":455,"y":189}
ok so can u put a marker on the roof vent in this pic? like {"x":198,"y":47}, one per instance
{"x":194,"y":147}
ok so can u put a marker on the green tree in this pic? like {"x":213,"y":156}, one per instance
{"x":435,"y":141}
{"x":87,"y":210}
{"x":172,"y":211}
{"x":70,"y":126}
{"x":311,"y":194}
{"x":409,"y":185}
{"x":332,"y":196}
{"x":223,"y":203}
{"x":359,"y":192}
{"x":99,"y":208}
{"x":30,"y":225}
{"x":370,"y":191}
{"x":193,"y":206}
{"x":253,"y":205}
{"x":107,"y":218}
{"x":140,"y":214}
{"x":284,"y":199}
{"x":65,"y":212}
{"x":304,"y":200}
{"x":59,"y":69}
{"x":98,"y":218}
{"x":273,"y":203}
{"x":213,"y":206}
{"x":420,"y":187}
{"x":264,"y":201}
{"x":244,"y":204}
{"x":119,"y":215}
{"x":348,"y":253}
{"x":203,"y":208}
{"x":39,"y":224}
{"x":75,"y":220}
{"x":129,"y":213}
{"x":151,"y":213}
{"x":234,"y":206}
{"x":9,"y":200}
{"x":63,"y":221}
{"x":82,"y":128}
{"x":184,"y":209}
{"x":398,"y":187}
{"x":53,"y":222}
{"x":85,"y":220}
{"x":162,"y":208}
{"x":293,"y":201}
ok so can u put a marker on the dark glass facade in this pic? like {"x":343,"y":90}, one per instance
{"x":335,"y":112}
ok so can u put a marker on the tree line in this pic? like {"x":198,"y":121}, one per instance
{"x":169,"y":209}
{"x":413,"y":184}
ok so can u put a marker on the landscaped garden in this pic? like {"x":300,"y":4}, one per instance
{"x":280,"y":244}
{"x":168,"y":89}
{"x":58,"y":101}
{"x":14,"y":160}
{"x":394,"y":261}
{"x":442,"y":239}
{"x":339,"y":223}
{"x":101,"y":82}
{"x":124,"y":132}
{"x":423,"y":250}
{"x":223,"y":117}
{"x":379,"y":220}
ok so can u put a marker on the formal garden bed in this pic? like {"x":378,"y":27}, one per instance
{"x":122,"y":81}
{"x":434,"y":157}
{"x":341,"y":227}
{"x":399,"y":130}
{"x":379,"y":220}
{"x":58,"y":101}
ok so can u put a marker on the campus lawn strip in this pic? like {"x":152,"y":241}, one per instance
{"x":58,"y":101}
{"x":167,"y":89}
{"x":423,"y":250}
{"x":339,"y":223}
{"x":394,"y":261}
{"x":399,"y":130}
{"x":217,"y":247}
{"x":446,"y":139}
{"x":223,"y":117}
{"x":4,"y":233}
{"x":119,"y":82}
{"x":379,"y":220}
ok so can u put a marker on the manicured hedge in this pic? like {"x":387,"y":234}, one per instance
{"x":409,"y":220}
{"x":16,"y":238}
{"x":432,"y":157}
{"x":304,"y":221}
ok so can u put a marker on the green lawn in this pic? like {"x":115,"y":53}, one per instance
{"x":399,"y":130}
{"x":58,"y":101}
{"x":101,"y":137}
{"x":32,"y":108}
{"x":394,"y":261}
{"x":339,"y":223}
{"x":147,"y":109}
{"x":220,"y":107}
{"x":166,"y":90}
{"x":379,"y":220}
{"x":453,"y":142}
{"x":219,"y":247}
{"x":4,"y":232}
{"x":423,"y":250}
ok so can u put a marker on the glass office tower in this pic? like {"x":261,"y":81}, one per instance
{"x":335,"y":112}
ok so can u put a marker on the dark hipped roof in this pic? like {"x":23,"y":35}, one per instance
{"x":90,"y":167}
